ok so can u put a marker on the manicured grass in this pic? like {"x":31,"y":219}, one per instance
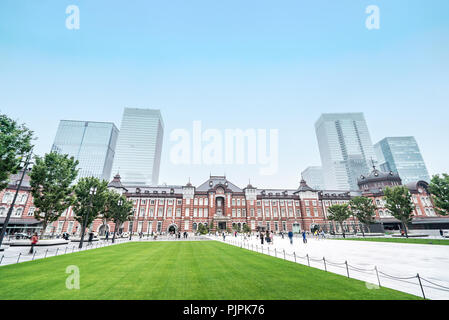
{"x":402,"y":240}
{"x":180,"y":270}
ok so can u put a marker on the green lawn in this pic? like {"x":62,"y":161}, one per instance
{"x":180,"y":270}
{"x":402,"y":240}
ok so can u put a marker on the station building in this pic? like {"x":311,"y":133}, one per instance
{"x":224,"y":206}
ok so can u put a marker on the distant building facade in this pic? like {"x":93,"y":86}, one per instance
{"x":91,"y":143}
{"x":402,"y":155}
{"x":219,"y":203}
{"x":314,"y":177}
{"x":345,"y":148}
{"x":139,"y":147}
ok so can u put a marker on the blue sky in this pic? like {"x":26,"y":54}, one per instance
{"x":232,"y":64}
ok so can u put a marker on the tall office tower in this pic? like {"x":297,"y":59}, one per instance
{"x":314,"y":177}
{"x":402,"y":155}
{"x":345,"y":147}
{"x":139,"y":147}
{"x":91,"y":143}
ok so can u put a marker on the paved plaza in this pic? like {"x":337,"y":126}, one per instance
{"x":393,"y":259}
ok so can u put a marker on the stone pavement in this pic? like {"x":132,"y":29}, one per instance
{"x":400,"y":260}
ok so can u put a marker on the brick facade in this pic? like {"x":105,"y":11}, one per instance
{"x":218,"y":201}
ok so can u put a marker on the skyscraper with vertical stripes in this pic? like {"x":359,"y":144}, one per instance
{"x":139,"y":147}
{"x":345,"y":148}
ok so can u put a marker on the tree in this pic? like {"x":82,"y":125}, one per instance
{"x":399,"y":203}
{"x":202,"y":229}
{"x":246,"y":228}
{"x":363,"y":209}
{"x":339,"y":213}
{"x":439,"y":189}
{"x":121,"y":211}
{"x":87,"y":205}
{"x":15,"y":144}
{"x":106,"y":212}
{"x":211,"y":226}
{"x":50,"y":181}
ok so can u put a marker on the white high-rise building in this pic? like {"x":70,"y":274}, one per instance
{"x":345,"y":148}
{"x":313,"y":175}
{"x":139,"y":147}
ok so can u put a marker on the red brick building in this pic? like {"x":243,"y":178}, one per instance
{"x":220,"y":202}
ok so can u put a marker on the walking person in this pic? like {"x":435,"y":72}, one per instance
{"x":91,"y":237}
{"x":107,"y":236}
{"x":323,"y":235}
{"x":34,"y":240}
{"x":304,"y":237}
{"x":261,"y":238}
{"x":290,"y":236}
{"x":224,"y":236}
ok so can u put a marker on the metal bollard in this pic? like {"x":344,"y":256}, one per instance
{"x":65,"y":250}
{"x":308,"y":261}
{"x":284,"y":254}
{"x":57,"y":249}
{"x":275,"y":253}
{"x":33,"y":255}
{"x":294,"y":254}
{"x":2,"y":259}
{"x":420,"y":284}
{"x":347,"y":268}
{"x":324,"y":260}
{"x":269,"y":250}
{"x":377,"y":274}
{"x":46,"y":254}
{"x":18,"y":258}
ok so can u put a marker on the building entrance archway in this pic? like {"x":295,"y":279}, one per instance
{"x":173,"y":228}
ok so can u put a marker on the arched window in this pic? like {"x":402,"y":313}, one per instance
{"x":18,"y":212}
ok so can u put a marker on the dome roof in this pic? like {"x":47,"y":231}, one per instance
{"x":377,"y":175}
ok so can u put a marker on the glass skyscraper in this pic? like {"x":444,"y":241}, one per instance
{"x":402,"y":155}
{"x":314,"y":177}
{"x":345,"y":148}
{"x":91,"y":143}
{"x":139,"y":147}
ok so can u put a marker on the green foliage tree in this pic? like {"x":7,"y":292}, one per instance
{"x":363,"y":209}
{"x":87,"y":206}
{"x":202,"y":229}
{"x":339,"y":213}
{"x":121,"y":211}
{"x":211,"y":226}
{"x":106,"y":212}
{"x":246,"y":228}
{"x":50,"y":180}
{"x":399,"y":202}
{"x":15,"y":144}
{"x":439,"y":189}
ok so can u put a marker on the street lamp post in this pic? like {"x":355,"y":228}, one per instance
{"x":119,"y":203}
{"x":92,"y":192}
{"x":131,"y":225}
{"x":5,"y":224}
